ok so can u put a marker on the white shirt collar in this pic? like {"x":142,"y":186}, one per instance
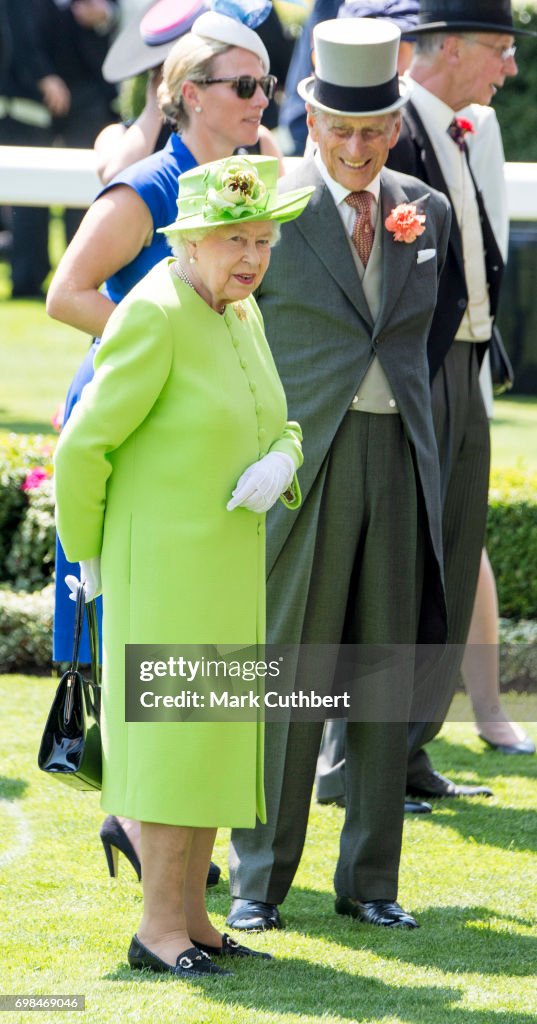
{"x":429,"y":106}
{"x":338,"y":192}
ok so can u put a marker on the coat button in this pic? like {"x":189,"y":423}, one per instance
{"x":462,"y":303}
{"x":259,"y":407}
{"x":253,"y":386}
{"x":244,"y":364}
{"x":391,"y":403}
{"x":235,"y":342}
{"x":261,"y":433}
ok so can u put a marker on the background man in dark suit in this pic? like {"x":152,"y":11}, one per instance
{"x":52,"y":92}
{"x":464,"y":54}
{"x":347,"y":310}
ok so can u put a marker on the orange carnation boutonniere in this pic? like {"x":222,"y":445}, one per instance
{"x":405,"y":222}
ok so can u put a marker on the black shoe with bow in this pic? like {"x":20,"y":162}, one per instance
{"x":380,"y":912}
{"x":253,"y":916}
{"x":191,"y":963}
{"x":230,"y":947}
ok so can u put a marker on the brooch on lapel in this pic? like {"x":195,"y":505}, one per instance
{"x":405,"y":222}
{"x":240,"y":310}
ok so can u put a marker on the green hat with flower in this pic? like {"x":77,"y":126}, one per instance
{"x":232,"y":191}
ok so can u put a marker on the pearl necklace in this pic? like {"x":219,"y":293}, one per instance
{"x":180,"y":273}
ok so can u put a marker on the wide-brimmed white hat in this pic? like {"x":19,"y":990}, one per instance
{"x":355,"y":68}
{"x":147,"y":38}
{"x":213,"y":25}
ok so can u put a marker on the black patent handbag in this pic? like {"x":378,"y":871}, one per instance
{"x":71,"y":744}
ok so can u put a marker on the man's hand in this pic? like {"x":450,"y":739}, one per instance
{"x":90,"y":577}
{"x":261,"y":484}
{"x":96,"y":14}
{"x":56,"y":95}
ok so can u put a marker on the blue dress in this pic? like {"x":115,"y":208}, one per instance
{"x":155,"y":181}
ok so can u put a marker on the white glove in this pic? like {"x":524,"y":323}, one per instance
{"x":261,"y":484}
{"x":90,"y":575}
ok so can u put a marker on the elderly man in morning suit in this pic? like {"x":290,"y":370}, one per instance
{"x":464,"y":54}
{"x":347,"y":311}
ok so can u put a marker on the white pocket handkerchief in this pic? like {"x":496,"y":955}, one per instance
{"x":425,"y":254}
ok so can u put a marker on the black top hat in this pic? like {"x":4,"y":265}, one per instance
{"x":467,"y":16}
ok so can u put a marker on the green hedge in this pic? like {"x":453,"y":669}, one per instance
{"x":512,"y":541}
{"x":26,"y":630}
{"x":27,"y":535}
{"x":515,"y":104}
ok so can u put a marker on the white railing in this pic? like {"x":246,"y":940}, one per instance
{"x":67,"y":177}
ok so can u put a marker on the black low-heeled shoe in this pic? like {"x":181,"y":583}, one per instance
{"x":192,"y":962}
{"x":115,"y":840}
{"x":230,"y":947}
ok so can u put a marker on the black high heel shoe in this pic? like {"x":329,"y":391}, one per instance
{"x":115,"y":840}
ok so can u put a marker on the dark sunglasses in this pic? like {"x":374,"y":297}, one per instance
{"x":245,"y":85}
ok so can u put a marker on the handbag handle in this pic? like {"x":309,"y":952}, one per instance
{"x":93,"y":631}
{"x":79,"y":618}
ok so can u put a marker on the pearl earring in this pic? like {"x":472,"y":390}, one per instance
{"x":198,"y":110}
{"x":192,"y":259}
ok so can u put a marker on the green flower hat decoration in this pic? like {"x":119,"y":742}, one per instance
{"x":237,"y":188}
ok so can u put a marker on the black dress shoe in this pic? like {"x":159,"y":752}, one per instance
{"x":193,"y":962}
{"x":253,"y":916}
{"x":381,"y":912}
{"x":525,"y":746}
{"x":334,"y":801}
{"x":435,"y":786}
{"x":230,"y":947}
{"x":417,"y":807}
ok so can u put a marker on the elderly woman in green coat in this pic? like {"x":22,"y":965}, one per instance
{"x":164,"y":472}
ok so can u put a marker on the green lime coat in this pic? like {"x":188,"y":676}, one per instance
{"x":182,"y":401}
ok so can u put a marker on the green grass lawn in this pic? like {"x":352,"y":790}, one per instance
{"x":468,"y":872}
{"x":39,"y":356}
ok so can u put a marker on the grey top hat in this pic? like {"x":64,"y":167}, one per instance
{"x":467,"y":16}
{"x":355,"y":68}
{"x":130,"y":53}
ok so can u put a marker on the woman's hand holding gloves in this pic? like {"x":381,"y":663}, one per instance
{"x":261,"y":484}
{"x":90,"y":575}
{"x":257,"y":489}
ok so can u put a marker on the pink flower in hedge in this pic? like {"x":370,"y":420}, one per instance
{"x":406,"y":223}
{"x":34,"y":479}
{"x":57,"y":419}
